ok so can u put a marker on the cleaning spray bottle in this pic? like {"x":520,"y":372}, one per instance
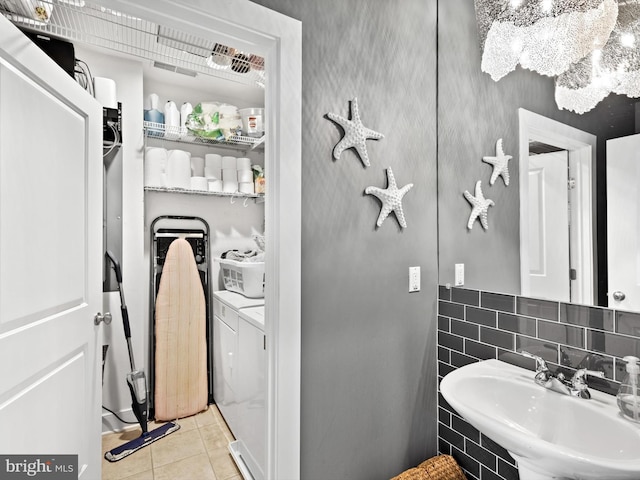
{"x":628,"y":400}
{"x":153,"y":115}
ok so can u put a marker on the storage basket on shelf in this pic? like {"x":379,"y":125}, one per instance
{"x":246,"y":278}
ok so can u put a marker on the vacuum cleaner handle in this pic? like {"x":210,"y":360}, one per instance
{"x":123,"y":306}
{"x":116,"y":265}
{"x":125,"y":321}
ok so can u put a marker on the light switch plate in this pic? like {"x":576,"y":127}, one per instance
{"x":459,"y":280}
{"x":414,"y":279}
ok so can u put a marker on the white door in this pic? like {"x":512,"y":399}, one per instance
{"x":549,"y":226}
{"x":623,"y":224}
{"x":50,"y":259}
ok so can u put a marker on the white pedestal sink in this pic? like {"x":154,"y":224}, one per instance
{"x":550,"y":435}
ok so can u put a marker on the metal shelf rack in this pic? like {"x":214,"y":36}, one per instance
{"x":91,"y":24}
{"x":159,"y":131}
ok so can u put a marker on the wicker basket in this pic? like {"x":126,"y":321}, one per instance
{"x":442,"y":467}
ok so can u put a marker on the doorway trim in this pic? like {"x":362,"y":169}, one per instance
{"x":581,"y":147}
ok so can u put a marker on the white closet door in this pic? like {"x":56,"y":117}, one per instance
{"x":623,"y":223}
{"x":549,"y":226}
{"x":50,"y":257}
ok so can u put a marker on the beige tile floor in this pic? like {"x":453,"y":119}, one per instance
{"x":198,"y":451}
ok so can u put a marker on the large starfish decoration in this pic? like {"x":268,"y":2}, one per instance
{"x":355,"y":134}
{"x":480,"y":207}
{"x":391,"y":199}
{"x":500,"y":164}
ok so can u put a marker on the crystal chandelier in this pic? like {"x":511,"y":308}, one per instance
{"x":592,"y":47}
{"x":614,"y":68}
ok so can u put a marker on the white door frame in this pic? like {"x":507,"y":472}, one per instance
{"x":278,"y":38}
{"x":581,"y":147}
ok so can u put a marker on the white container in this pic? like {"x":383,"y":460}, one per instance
{"x":171,"y":119}
{"x":104,"y":90}
{"x":252,"y":121}
{"x":230,"y":118}
{"x":246,"y":278}
{"x":243,"y":163}
{"x":185,"y":110}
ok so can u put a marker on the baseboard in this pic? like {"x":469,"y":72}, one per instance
{"x":111,"y":424}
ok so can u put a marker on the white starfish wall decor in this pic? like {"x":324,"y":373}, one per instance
{"x":480,"y":207}
{"x":391,"y":199}
{"x":500,"y":164}
{"x":355,"y":134}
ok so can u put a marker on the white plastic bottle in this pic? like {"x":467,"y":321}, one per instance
{"x":185,"y":111}
{"x":628,"y":401}
{"x":154,"y":116}
{"x":171,"y":119}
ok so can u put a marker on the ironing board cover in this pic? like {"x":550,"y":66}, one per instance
{"x":180,"y":328}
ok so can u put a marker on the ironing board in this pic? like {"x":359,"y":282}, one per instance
{"x":180,"y":328}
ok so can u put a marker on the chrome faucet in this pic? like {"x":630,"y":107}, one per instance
{"x":576,"y":387}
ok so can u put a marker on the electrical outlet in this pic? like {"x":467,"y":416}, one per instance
{"x":459,"y":280}
{"x":414,"y":279}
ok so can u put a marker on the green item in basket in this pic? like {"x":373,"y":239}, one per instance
{"x":203,"y":121}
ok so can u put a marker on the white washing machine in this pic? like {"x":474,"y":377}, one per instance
{"x":250,"y":449}
{"x":239,"y":381}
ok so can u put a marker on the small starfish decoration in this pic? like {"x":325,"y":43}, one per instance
{"x":480,"y":207}
{"x":391,"y":199}
{"x":355,"y":134}
{"x":500,"y":164}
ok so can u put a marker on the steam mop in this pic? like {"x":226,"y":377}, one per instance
{"x":138,"y":387}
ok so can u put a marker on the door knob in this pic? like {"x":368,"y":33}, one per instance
{"x":106,"y":318}
{"x":618,"y":296}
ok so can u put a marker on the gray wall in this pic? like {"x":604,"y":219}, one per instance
{"x":368,"y":346}
{"x":473,"y":112}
